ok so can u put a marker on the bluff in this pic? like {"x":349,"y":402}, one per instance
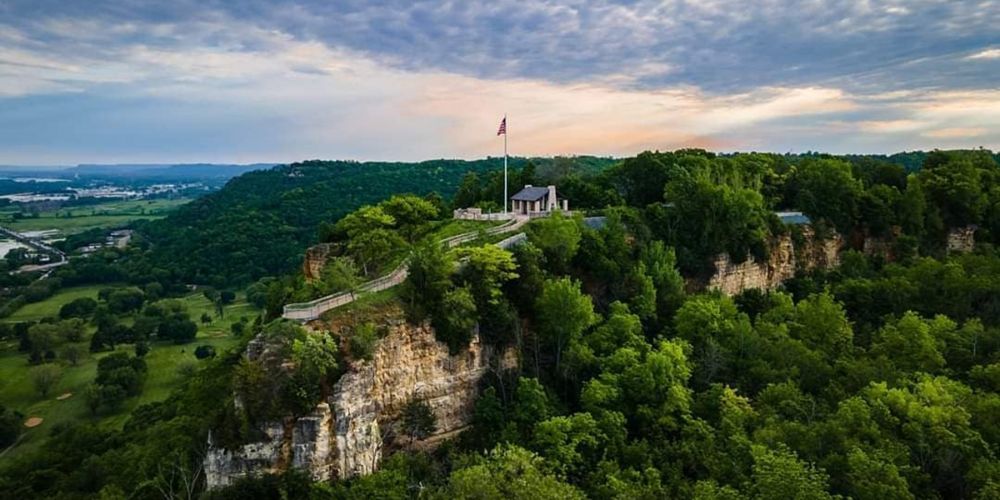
{"x":347,"y":434}
{"x":786,"y":255}
{"x":789,"y":253}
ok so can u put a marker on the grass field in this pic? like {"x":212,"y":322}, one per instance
{"x":50,"y":306}
{"x":73,"y":220}
{"x":17,"y":391}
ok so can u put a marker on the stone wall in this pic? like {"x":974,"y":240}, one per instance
{"x":783,"y":260}
{"x":346,"y":435}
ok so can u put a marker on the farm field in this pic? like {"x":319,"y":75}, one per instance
{"x":72,"y":220}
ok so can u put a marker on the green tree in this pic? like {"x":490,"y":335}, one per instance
{"x":531,"y":405}
{"x":92,"y":398}
{"x":411,"y":214}
{"x":828,"y":190}
{"x":564,"y":312}
{"x":558,"y":237}
{"x":779,"y":474}
{"x":570,"y":444}
{"x":315,"y":356}
{"x":872,"y":477}
{"x":661,"y":266}
{"x":78,"y":308}
{"x":177,"y":328}
{"x":486,"y":270}
{"x":951,"y":183}
{"x":822,"y":324}
{"x":427,"y":280}
{"x":43,"y":338}
{"x":204,"y":351}
{"x":10,"y":427}
{"x":454,"y":322}
{"x":508,"y":472}
{"x":364,"y":340}
{"x":418,"y":420}
{"x":371,"y":237}
{"x":339,"y":274}
{"x":708,"y":218}
{"x":469,"y":191}
{"x":72,"y":353}
{"x":125,"y":300}
{"x":909,"y":344}
{"x":44,"y":378}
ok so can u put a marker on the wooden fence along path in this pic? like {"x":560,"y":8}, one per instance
{"x":308,"y":311}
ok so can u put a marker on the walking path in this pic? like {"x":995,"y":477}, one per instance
{"x":308,"y":311}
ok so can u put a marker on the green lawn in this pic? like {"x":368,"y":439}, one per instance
{"x":454,"y":227}
{"x":17,"y":391}
{"x":50,"y":306}
{"x":73,"y":220}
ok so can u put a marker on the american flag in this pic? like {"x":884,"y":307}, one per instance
{"x":503,"y":127}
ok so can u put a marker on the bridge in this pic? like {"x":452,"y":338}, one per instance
{"x":308,"y":311}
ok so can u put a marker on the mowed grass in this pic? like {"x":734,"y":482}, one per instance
{"x":17,"y":391}
{"x":454,"y":227}
{"x":50,"y":306}
{"x":73,"y":220}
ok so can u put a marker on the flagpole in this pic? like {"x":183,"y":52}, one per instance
{"x":505,"y":164}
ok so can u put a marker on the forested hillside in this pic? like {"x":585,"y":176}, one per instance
{"x":874,"y":379}
{"x":260,"y":222}
{"x":220,"y":236}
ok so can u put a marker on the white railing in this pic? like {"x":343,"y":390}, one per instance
{"x":517,"y":239}
{"x":307,"y":311}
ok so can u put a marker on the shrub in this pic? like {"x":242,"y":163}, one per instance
{"x":10,"y":426}
{"x":79,"y":308}
{"x":363,"y":341}
{"x":204,"y":351}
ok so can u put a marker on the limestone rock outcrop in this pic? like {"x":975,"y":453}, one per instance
{"x":962,"y":239}
{"x":784,"y":258}
{"x":315,"y":259}
{"x":347,"y":434}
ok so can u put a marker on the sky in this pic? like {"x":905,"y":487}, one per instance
{"x":134,"y":81}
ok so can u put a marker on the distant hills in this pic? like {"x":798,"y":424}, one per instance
{"x":165,"y":171}
{"x":190,"y":171}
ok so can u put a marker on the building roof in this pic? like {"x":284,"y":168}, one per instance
{"x":595,"y":222}
{"x":793,"y":218}
{"x":532,"y":193}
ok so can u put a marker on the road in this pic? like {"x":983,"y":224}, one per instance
{"x":38,"y":246}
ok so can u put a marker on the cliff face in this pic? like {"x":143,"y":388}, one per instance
{"x":346,"y":435}
{"x":784,"y":259}
{"x":962,"y":239}
{"x":315,"y":259}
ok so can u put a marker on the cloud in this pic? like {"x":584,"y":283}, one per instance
{"x":956,"y":133}
{"x":225,"y":86}
{"x":986,"y":54}
{"x":716,"y":45}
